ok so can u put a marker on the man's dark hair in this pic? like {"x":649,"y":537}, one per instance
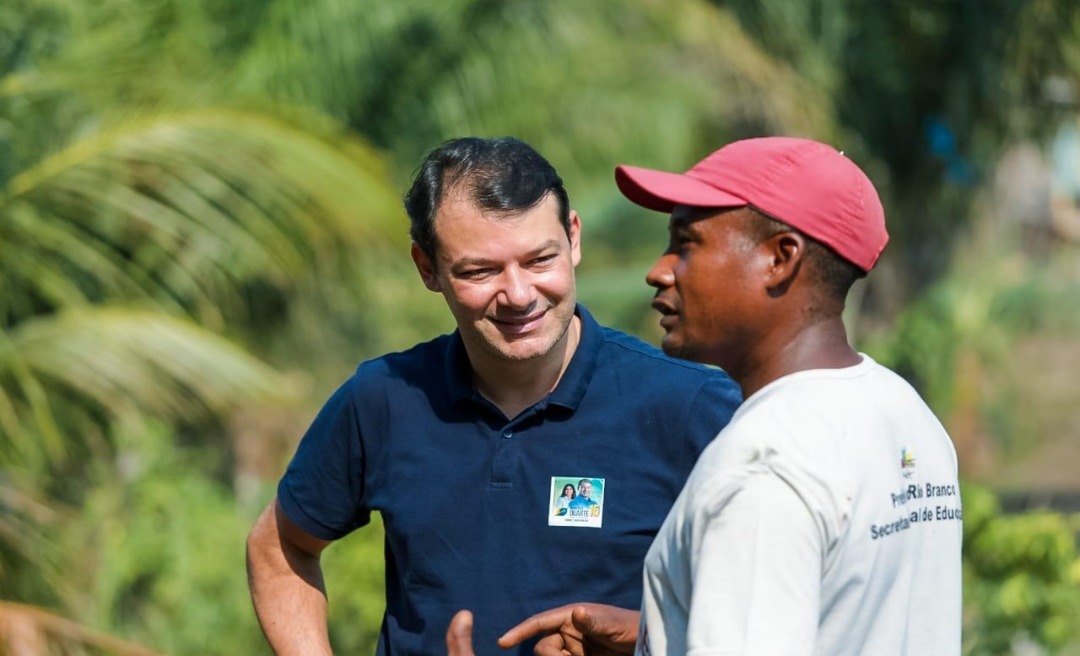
{"x":835,"y":274}
{"x":501,"y":175}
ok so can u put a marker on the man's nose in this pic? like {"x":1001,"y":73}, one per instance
{"x":517,"y":290}
{"x":661,"y":274}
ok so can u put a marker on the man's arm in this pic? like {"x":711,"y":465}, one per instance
{"x":757,"y":567}
{"x":286,"y":584}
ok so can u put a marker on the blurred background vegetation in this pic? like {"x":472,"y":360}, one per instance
{"x":201,"y":235}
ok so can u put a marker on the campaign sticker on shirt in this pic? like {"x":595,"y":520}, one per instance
{"x":576,"y":501}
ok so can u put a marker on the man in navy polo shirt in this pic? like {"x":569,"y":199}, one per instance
{"x":465,"y":443}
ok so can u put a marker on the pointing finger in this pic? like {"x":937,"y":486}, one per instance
{"x":545,"y":622}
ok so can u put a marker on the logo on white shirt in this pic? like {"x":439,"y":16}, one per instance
{"x":907,"y":463}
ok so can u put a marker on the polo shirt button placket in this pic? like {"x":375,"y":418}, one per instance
{"x":506,"y":455}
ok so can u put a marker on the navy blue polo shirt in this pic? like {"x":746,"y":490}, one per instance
{"x":469,"y":498}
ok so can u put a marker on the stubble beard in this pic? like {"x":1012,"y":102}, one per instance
{"x":505,"y":351}
{"x":682,"y":349}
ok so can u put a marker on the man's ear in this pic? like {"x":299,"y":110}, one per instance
{"x":575,"y":238}
{"x":785,"y":252}
{"x":426,"y":268}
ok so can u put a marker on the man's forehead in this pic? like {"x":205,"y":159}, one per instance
{"x":457,"y":199}
{"x":459,"y":204}
{"x":684,"y":216}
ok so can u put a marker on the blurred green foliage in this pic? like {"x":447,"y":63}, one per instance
{"x":153,"y":552}
{"x":354,"y":574}
{"x":1021,"y":578}
{"x":200,"y":235}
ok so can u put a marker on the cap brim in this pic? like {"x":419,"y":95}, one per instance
{"x":662,"y":191}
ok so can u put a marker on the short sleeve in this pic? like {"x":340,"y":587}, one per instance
{"x":756,"y":573}
{"x":712,"y":408}
{"x":323,"y":487}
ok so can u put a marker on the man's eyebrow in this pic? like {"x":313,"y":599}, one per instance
{"x":682,"y":224}
{"x":545,"y":245}
{"x":466,"y":262}
{"x":482,"y":261}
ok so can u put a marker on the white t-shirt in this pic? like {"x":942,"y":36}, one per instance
{"x":824,"y":519}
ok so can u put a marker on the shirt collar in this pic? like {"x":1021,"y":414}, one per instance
{"x":458,"y":369}
{"x":571,"y":388}
{"x":575,"y":380}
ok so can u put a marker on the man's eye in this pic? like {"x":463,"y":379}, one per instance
{"x":474,"y":274}
{"x":680,"y":243}
{"x":543,"y":259}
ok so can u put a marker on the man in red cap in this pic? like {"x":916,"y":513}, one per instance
{"x":825,"y":518}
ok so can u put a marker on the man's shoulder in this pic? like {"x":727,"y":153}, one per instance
{"x":635,"y":357}
{"x":424,"y":360}
{"x":621,"y":345}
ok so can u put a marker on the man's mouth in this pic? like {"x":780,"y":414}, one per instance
{"x":519,"y":325}
{"x":663,"y":307}
{"x":668,"y":314}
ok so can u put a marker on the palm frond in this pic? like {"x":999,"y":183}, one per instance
{"x":25,"y":520}
{"x":185,"y":208}
{"x":29,"y":631}
{"x":120,"y":361}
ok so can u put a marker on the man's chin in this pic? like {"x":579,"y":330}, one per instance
{"x":676,"y":348}
{"x":524,"y":348}
{"x":521,"y":355}
{"x":671,"y":345}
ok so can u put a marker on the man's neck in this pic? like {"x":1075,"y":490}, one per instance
{"x":515,"y":386}
{"x":821,"y":345}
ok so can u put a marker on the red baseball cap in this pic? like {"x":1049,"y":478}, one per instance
{"x":806,"y":184}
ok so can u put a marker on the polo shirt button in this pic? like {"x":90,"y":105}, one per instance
{"x":508,"y":433}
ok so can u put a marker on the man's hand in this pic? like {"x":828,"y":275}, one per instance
{"x":459,"y":635}
{"x":579,"y":630}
